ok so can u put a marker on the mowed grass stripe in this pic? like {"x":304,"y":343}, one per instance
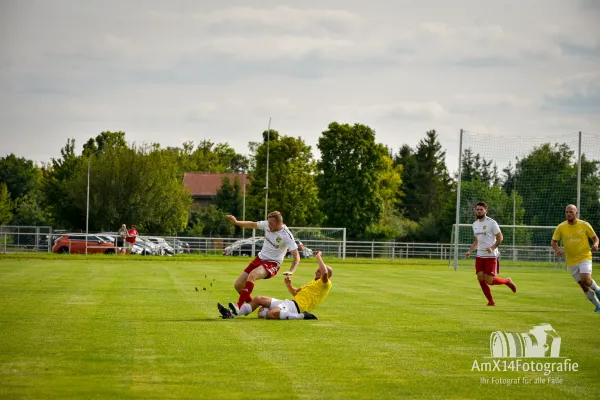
{"x":132,"y":329}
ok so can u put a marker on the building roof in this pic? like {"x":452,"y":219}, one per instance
{"x":206,"y":185}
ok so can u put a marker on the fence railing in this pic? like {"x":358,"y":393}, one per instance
{"x":43,"y":239}
{"x":25,"y":238}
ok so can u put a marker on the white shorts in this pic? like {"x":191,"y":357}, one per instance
{"x":128,"y":245}
{"x":284,"y":305}
{"x":584,"y":267}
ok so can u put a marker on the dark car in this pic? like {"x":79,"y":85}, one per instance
{"x":244,"y":248}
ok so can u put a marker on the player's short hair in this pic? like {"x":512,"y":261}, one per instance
{"x":482,"y":204}
{"x":276,"y":215}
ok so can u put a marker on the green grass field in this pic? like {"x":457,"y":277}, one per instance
{"x":107,"y":327}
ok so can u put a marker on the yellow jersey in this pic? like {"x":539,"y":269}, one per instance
{"x":575,"y":240}
{"x":312,"y":294}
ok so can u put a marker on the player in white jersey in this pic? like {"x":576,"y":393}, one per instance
{"x":278,"y":241}
{"x":487,"y":239}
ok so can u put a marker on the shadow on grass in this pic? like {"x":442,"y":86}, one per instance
{"x":207,"y":319}
{"x":492,"y":309}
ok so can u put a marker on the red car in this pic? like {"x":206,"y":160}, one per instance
{"x":75,"y":244}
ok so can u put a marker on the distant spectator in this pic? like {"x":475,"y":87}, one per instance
{"x":132,"y":234}
{"x":121,"y":239}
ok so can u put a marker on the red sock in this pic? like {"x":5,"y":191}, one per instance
{"x":486,"y":291}
{"x":249,"y":299}
{"x":245,"y":294}
{"x":500,"y":281}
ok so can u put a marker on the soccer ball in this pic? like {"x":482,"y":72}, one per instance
{"x":262,"y":312}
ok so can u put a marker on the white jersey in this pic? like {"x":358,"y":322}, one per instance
{"x":276,"y":244}
{"x":485,"y":231}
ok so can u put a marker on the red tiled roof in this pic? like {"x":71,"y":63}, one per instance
{"x":206,"y":185}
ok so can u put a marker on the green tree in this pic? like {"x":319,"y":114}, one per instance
{"x":390,"y":183}
{"x":103,"y":141}
{"x":500,"y":204}
{"x":434,"y":181}
{"x":5,"y":205}
{"x":56,"y":177}
{"x":138,"y":185}
{"x":590,"y":191}
{"x":292,"y":188}
{"x":427,"y":183}
{"x":229,"y":197}
{"x":475,"y":167}
{"x":547,"y":180}
{"x":28,"y":211}
{"x":208,"y":158}
{"x":20,"y":175}
{"x":214,"y":222}
{"x":351,"y":165}
{"x":391,"y":224}
{"x":410,"y":182}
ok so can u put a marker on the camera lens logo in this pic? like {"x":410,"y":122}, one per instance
{"x":541,"y":341}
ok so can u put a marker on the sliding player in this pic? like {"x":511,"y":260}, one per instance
{"x":306,"y":298}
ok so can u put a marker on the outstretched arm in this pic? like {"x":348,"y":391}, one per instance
{"x":288,"y":284}
{"x":322,"y":267}
{"x":243,"y":224}
{"x":595,"y":243}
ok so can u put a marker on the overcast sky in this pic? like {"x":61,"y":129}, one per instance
{"x":173,"y":71}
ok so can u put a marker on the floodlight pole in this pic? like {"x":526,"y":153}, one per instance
{"x":87,"y":207}
{"x":514,"y":213}
{"x":579,"y":177}
{"x":458,"y":201}
{"x":244,"y":204}
{"x":267,"y":181}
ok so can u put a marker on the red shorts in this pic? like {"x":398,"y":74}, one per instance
{"x":272,"y":267}
{"x":488,"y":266}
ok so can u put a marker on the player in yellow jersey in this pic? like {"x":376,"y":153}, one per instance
{"x":306,"y":298}
{"x":575,"y":235}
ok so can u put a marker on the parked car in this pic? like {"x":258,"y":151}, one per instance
{"x":138,"y":248}
{"x":148,"y":244}
{"x":243,"y":247}
{"x":164,"y":248}
{"x":75,"y":244}
{"x":180,"y":246}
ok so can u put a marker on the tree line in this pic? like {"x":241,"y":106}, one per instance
{"x":358,"y":183}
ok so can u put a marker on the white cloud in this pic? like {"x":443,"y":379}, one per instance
{"x":489,"y":41}
{"x":273,"y":47}
{"x":501,"y":100}
{"x":415,"y":109}
{"x":578,"y":92}
{"x":168,"y":73}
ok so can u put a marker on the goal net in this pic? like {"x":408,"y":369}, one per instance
{"x":331,"y":241}
{"x":527,"y":182}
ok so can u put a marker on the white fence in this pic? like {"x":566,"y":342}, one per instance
{"x":25,"y":238}
{"x":42,"y":239}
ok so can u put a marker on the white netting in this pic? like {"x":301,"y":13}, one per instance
{"x":331,"y":241}
{"x":528,"y":181}
{"x":522,"y":245}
